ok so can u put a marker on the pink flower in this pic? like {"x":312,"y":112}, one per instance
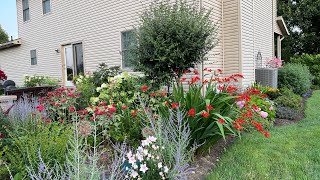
{"x":263,"y":114}
{"x":40,"y":108}
{"x":271,"y":108}
{"x":241,"y":104}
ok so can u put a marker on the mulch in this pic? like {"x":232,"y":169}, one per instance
{"x":205,"y":164}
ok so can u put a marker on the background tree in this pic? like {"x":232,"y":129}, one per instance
{"x":3,"y":35}
{"x":303,"y":20}
{"x":172,"y":38}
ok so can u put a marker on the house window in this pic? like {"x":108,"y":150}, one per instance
{"x":33,"y":54}
{"x":46,"y":6}
{"x":25,"y":8}
{"x":128,"y":42}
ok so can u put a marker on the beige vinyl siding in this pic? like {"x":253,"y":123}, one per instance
{"x":98,"y":25}
{"x":247,"y":42}
{"x":231,"y":35}
{"x":263,"y":23}
{"x":215,"y":57}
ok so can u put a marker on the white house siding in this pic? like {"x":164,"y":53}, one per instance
{"x":263,"y":23}
{"x":231,"y":35}
{"x":97,"y":25}
{"x":215,"y":57}
{"x":247,"y":42}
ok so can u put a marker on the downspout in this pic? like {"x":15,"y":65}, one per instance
{"x":202,"y":63}
{"x":279,"y":39}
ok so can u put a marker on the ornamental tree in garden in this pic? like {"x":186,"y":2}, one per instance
{"x":3,"y":36}
{"x":172,"y":38}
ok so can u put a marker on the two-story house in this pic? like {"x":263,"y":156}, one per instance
{"x":62,"y":38}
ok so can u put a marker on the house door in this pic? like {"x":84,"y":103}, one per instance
{"x":73,"y":63}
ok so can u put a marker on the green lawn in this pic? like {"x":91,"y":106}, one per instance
{"x":292,"y":152}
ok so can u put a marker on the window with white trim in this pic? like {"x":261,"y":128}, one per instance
{"x":128,"y":42}
{"x":25,"y":8}
{"x":33,"y":54}
{"x":46,"y":6}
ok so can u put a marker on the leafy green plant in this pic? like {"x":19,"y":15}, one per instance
{"x":36,"y":80}
{"x":87,"y":88}
{"x":171,"y":38}
{"x":103,"y":73}
{"x":50,"y":138}
{"x":289,"y":99}
{"x":313,"y":63}
{"x":296,"y":77}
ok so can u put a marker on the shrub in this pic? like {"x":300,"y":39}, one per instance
{"x":103,"y":73}
{"x":289,"y":99}
{"x":87,"y":88}
{"x":51,"y":139}
{"x":172,"y":37}
{"x":35,"y":80}
{"x":296,"y":77}
{"x":313,"y":63}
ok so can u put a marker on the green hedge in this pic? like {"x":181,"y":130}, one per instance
{"x":296,"y":77}
{"x":313,"y":63}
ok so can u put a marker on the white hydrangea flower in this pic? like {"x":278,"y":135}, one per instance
{"x":104,"y":85}
{"x":98,"y":89}
{"x":165,"y":169}
{"x":152,"y":139}
{"x":160,"y":165}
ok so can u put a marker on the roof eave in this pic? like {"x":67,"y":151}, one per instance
{"x":282,"y":25}
{"x":13,"y":43}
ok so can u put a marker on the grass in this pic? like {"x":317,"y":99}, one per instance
{"x":292,"y":152}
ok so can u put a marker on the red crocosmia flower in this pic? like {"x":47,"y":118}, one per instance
{"x":163,"y":94}
{"x":210,"y":70}
{"x":174,"y":105}
{"x":134,"y":113}
{"x":192,"y":112}
{"x":63,"y":100}
{"x":183,"y":79}
{"x":221,"y":121}
{"x":209,"y":107}
{"x":231,"y":89}
{"x":248,"y":115}
{"x":205,"y":69}
{"x":48,"y":121}
{"x":72,"y":109}
{"x":239,"y":127}
{"x":205,"y":81}
{"x":167,"y":104}
{"x":58,"y":104}
{"x":144,"y":88}
{"x":112,"y":110}
{"x":153,"y":94}
{"x":186,"y":71}
{"x":264,"y":96}
{"x":239,"y":121}
{"x":40,"y":107}
{"x":205,"y":114}
{"x":189,"y":82}
{"x":124,"y":107}
{"x":258,"y":126}
{"x":114,"y":105}
{"x":266,"y":134}
{"x":70,"y":95}
{"x":195,"y":72}
{"x":220,"y":71}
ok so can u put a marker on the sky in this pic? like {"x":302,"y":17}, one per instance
{"x":8,"y":17}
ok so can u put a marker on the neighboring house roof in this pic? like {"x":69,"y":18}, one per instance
{"x":282,"y":25}
{"x":13,"y":43}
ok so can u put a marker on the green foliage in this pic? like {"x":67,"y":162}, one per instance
{"x":206,"y":130}
{"x":296,"y":77}
{"x":50,"y":139}
{"x":102,"y":74}
{"x":172,"y":38}
{"x":87,"y":88}
{"x":3,"y":36}
{"x":289,"y":99}
{"x":35,"y":80}
{"x":313,"y":63}
{"x":303,"y":21}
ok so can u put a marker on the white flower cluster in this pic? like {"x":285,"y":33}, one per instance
{"x":147,"y":152}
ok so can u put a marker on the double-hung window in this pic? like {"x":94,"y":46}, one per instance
{"x":128,"y":42}
{"x":33,"y":54}
{"x":25,"y":8}
{"x":46,"y":6}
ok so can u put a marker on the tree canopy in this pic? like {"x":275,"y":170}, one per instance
{"x":172,"y":38}
{"x":303,"y":20}
{"x":3,"y":36}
